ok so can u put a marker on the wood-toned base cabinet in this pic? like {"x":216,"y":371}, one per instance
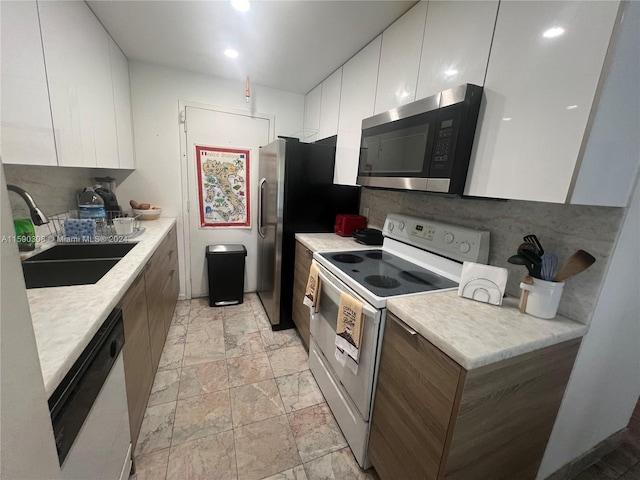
{"x":147,"y":309}
{"x":300,"y":312}
{"x":432,"y":419}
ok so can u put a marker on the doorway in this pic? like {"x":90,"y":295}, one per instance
{"x":212,"y":126}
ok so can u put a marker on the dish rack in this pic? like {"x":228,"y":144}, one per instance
{"x":104,"y":229}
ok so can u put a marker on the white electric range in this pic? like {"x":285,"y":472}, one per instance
{"x":417,"y":256}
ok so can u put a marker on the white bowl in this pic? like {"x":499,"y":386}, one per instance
{"x":151,"y":214}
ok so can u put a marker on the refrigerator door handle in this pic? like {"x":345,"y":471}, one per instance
{"x":261,"y":230}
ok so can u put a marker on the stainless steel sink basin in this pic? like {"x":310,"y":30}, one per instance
{"x":75,"y":264}
{"x":76,"y":251}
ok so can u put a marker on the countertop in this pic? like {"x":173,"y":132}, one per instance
{"x":475,"y":334}
{"x":328,"y":242}
{"x":66,"y":318}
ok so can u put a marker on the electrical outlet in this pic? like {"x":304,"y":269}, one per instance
{"x":365,"y":212}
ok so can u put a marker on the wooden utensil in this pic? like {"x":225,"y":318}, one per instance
{"x":577,"y":263}
{"x":525,"y":294}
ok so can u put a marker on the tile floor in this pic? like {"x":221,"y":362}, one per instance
{"x":624,"y":462}
{"x":234,"y":400}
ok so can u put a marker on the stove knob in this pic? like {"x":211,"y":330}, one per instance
{"x":465,"y":247}
{"x":391,"y":225}
{"x":448,"y":237}
{"x":401,"y":226}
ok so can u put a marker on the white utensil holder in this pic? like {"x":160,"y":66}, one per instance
{"x":543,"y":299}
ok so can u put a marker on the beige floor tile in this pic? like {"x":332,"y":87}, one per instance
{"x":296,"y":473}
{"x":265,"y":448}
{"x":198,"y":417}
{"x":165,"y":387}
{"x":242,"y":310}
{"x":273,"y":340}
{"x":203,"y":378}
{"x":201,"y":311}
{"x":207,"y":458}
{"x":254,"y":402}
{"x":182,"y":308}
{"x":316,"y":432}
{"x":238,"y":345}
{"x":240,"y":325}
{"x":157,"y":425}
{"x":203,"y":331}
{"x":248,"y":369}
{"x":262,"y":321}
{"x":152,"y":466}
{"x":177,"y":332}
{"x":207,"y":351}
{"x":299,"y":390}
{"x":338,"y":465}
{"x":171,"y":357}
{"x":288,"y":360}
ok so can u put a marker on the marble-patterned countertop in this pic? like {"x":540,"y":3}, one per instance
{"x":65,"y":319}
{"x":475,"y":334}
{"x":330,"y":242}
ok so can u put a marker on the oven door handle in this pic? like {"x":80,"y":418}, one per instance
{"x":334,"y":292}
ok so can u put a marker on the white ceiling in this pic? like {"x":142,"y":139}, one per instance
{"x":289,"y":45}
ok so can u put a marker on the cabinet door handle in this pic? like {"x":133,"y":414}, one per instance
{"x":410,"y":331}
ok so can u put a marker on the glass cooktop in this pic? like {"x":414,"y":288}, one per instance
{"x":385,"y":274}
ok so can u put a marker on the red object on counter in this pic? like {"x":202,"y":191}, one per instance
{"x":346,"y":224}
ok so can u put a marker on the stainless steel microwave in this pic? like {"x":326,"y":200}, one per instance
{"x":424,"y":145}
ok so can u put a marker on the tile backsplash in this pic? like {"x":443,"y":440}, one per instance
{"x":54,"y":189}
{"x":562,"y":229}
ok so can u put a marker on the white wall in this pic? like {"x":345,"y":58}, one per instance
{"x":26,"y":436}
{"x":156,"y":92}
{"x":605,"y":382}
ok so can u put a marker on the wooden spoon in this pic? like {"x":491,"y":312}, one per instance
{"x":577,"y":263}
{"x":525,"y":294}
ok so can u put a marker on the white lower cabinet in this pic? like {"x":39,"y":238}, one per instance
{"x":26,"y":130}
{"x":545,"y":65}
{"x":359,"y":81}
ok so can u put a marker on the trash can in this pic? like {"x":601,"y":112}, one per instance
{"x":225,"y":266}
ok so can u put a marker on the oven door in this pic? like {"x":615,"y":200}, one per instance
{"x":359,"y":387}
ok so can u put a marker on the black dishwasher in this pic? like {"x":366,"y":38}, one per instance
{"x":71,"y":402}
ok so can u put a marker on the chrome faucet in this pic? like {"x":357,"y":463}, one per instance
{"x":37,"y":216}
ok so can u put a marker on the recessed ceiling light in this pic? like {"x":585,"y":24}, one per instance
{"x":451,"y":72}
{"x":240,"y":5}
{"x":507,"y":119}
{"x":553,"y":32}
{"x":231,"y":53}
{"x":572,"y":107}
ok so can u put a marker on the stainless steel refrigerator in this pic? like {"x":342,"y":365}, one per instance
{"x":296,"y":194}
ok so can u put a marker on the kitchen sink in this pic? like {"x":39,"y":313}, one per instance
{"x":59,"y":273}
{"x":74,"y":264}
{"x":83,"y":251}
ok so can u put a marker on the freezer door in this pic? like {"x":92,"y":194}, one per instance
{"x":270,"y":197}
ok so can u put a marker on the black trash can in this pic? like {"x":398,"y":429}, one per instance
{"x":225,"y":265}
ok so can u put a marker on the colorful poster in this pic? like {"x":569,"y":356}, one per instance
{"x":223,"y":186}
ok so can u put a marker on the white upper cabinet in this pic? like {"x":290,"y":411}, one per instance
{"x":76,"y":50}
{"x":544,"y":68}
{"x":330,"y":105}
{"x":359,"y":81}
{"x":612,"y":155}
{"x":27,"y":131}
{"x":457,"y":40}
{"x":122,"y":102}
{"x":400,"y":59}
{"x":312,"y":114}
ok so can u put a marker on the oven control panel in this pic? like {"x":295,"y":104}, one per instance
{"x":451,"y":241}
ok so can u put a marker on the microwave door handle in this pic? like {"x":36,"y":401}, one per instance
{"x":333,"y":291}
{"x":261,"y":231}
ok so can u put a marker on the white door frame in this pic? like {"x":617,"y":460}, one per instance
{"x":186,"y":229}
